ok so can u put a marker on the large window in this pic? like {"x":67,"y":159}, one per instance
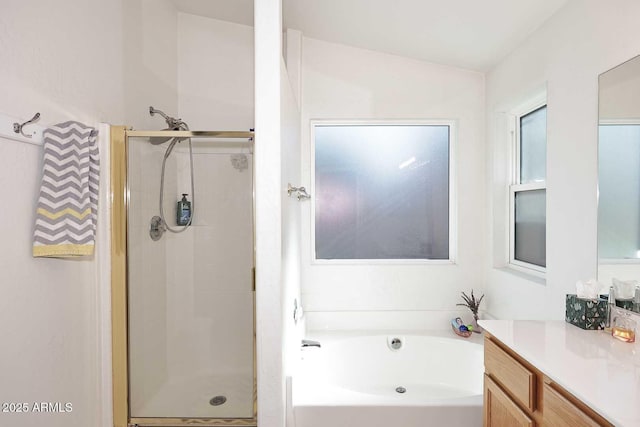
{"x":528,"y":189}
{"x":382,"y":191}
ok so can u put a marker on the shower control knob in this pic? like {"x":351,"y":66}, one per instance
{"x":156,"y":228}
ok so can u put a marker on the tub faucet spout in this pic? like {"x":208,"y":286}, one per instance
{"x":310,"y":343}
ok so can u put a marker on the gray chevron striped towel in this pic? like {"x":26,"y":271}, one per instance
{"x":67,"y":207}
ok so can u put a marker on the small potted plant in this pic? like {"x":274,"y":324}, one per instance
{"x":472,"y":304}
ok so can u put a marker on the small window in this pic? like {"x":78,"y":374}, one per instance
{"x":528,"y":190}
{"x":382,"y":191}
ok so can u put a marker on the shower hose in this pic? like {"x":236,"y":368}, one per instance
{"x":167,"y":153}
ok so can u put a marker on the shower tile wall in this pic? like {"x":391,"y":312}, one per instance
{"x":209,"y":276}
{"x":147,"y":274}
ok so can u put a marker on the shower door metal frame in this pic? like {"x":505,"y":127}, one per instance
{"x":119,"y":282}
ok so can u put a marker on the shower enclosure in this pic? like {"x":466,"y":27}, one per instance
{"x":183,"y":297}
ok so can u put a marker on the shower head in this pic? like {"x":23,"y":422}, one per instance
{"x":173,"y":123}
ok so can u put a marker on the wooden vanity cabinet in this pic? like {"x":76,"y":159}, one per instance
{"x":518,"y":394}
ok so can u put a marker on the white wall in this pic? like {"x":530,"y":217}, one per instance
{"x":340,"y":82}
{"x":63,"y":60}
{"x":584,"y":39}
{"x":290,"y":119}
{"x":290,"y":157}
{"x":268,"y":199}
{"x":291,"y":210}
{"x":150,"y":61}
{"x":215,"y":74}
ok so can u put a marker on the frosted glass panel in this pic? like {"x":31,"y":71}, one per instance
{"x":619,"y":191}
{"x":382,"y":192}
{"x":533,"y":146}
{"x":530,"y":227}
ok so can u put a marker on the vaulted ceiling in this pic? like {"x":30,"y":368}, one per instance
{"x":471,"y":34}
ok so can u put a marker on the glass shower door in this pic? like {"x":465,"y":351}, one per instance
{"x":190,"y":294}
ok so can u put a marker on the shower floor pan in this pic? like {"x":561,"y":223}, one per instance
{"x":191,"y":398}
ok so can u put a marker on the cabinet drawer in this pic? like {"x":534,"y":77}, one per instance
{"x":510,"y":374}
{"x":499,"y":409}
{"x":560,"y":412}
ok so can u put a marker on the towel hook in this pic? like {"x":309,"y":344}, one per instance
{"x":301,"y":192}
{"x":17,"y":127}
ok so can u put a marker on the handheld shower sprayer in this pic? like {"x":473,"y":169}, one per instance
{"x":159,"y":224}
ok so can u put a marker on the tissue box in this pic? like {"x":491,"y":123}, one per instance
{"x":586,"y":313}
{"x":627,"y":304}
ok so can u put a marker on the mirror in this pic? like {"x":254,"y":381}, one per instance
{"x":619,"y":179}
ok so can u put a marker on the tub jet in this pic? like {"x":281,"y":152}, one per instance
{"x":217,"y":401}
{"x":400,"y":389}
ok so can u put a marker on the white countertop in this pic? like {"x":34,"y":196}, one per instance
{"x":592,"y":365}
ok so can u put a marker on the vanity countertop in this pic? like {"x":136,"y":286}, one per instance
{"x":593,"y":366}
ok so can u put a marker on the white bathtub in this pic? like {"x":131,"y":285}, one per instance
{"x":352,"y":380}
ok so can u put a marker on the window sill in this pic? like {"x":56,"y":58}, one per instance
{"x":522,"y":274}
{"x":433,"y":262}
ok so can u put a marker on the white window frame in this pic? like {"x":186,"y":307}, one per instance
{"x":453,"y":214}
{"x":523,"y":109}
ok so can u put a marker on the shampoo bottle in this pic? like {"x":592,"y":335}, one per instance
{"x":184,"y":211}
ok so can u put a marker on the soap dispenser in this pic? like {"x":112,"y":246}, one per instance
{"x":183,"y":216}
